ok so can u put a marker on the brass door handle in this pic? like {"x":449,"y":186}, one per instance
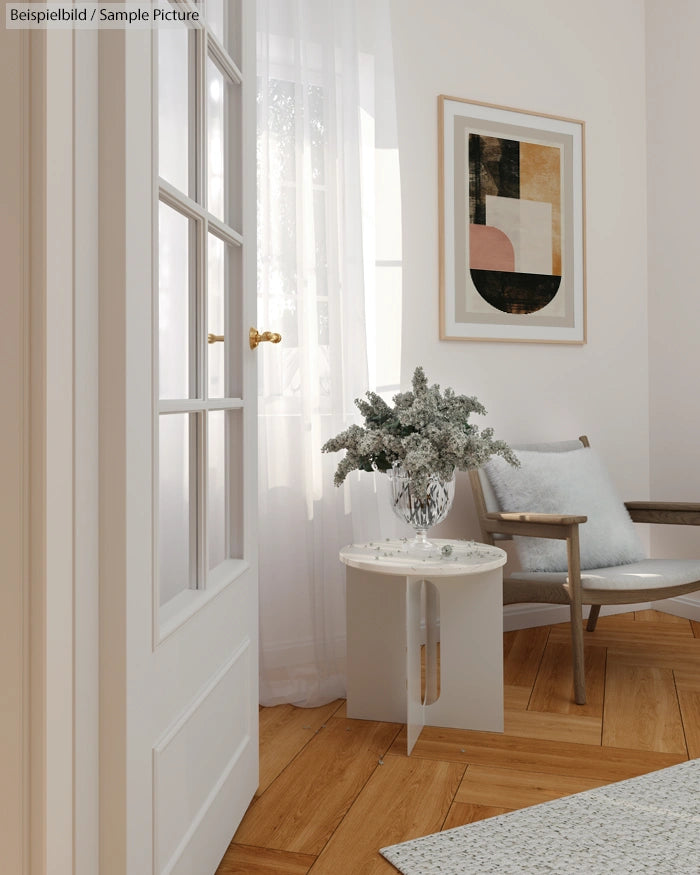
{"x":215,"y":338}
{"x":256,"y":337}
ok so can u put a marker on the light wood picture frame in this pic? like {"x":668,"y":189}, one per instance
{"x":512,"y":224}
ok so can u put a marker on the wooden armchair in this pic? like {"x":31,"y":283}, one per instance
{"x":638,"y":581}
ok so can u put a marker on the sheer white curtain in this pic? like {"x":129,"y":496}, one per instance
{"x":325,"y":101}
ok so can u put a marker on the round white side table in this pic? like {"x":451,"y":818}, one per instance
{"x":460,"y":588}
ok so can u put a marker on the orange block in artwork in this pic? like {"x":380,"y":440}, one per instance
{"x":490,"y":249}
{"x":540,"y":180}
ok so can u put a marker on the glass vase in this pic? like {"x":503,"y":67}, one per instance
{"x":422,"y":511}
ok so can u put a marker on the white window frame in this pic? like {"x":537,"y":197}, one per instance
{"x":205,"y":584}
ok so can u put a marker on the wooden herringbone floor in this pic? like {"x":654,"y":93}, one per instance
{"x":332,"y":790}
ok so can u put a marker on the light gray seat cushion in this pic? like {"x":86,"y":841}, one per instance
{"x":648,"y":574}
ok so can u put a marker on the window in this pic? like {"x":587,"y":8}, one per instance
{"x":317,"y":141}
{"x":294,"y":295}
{"x":198,"y":305}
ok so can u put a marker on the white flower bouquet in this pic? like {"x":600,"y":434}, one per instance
{"x":426,"y":432}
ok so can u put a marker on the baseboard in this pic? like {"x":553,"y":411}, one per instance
{"x":528,"y":615}
{"x":682,"y":606}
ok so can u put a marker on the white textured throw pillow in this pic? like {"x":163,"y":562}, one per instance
{"x":574,"y":482}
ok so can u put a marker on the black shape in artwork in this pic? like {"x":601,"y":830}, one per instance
{"x":494,"y":169}
{"x":517,"y":293}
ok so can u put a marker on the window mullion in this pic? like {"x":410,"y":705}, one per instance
{"x":193,"y":110}
{"x":202,"y":225}
{"x":200,"y":117}
{"x":201,"y":499}
{"x":224,"y":232}
{"x":201,"y":295}
{"x":228,"y":539}
{"x":195,"y":315}
{"x":223,"y":60}
{"x":194,"y":497}
{"x":203,"y":416}
{"x":229,"y":345}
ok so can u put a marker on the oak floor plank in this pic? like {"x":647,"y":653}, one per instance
{"x":522,"y":652}
{"x":304,"y":805}
{"x":554,"y":688}
{"x":244,"y":860}
{"x":555,"y":727}
{"x":511,"y":788}
{"x":630,"y":633}
{"x":621,"y":620}
{"x":284,"y":730}
{"x":664,"y":655}
{"x":422,"y":670}
{"x":622,"y":615}
{"x":652,"y":616}
{"x":516,"y":698}
{"x":535,"y":754}
{"x":687,"y":679}
{"x":689,"y":701}
{"x":642,"y":709}
{"x":461,"y":813}
{"x":613,"y":621}
{"x":405,"y":798}
{"x":688,"y":689}
{"x":376,"y":865}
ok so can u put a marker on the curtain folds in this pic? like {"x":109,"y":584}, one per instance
{"x":325,"y":97}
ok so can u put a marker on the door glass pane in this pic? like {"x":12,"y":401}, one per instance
{"x":224,"y":319}
{"x":234,"y":319}
{"x":173,"y":107}
{"x":215,"y":19}
{"x":216,"y":315}
{"x":176,"y":505}
{"x":215,"y":140}
{"x":175,"y":305}
{"x":223,"y":17}
{"x":217,"y":517}
{"x":234,"y":160}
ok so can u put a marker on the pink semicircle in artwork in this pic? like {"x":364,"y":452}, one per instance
{"x":490,"y":249}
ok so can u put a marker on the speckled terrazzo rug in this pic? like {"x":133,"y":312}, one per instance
{"x":649,"y":824}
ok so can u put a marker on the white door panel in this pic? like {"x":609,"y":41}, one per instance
{"x":180,"y":642}
{"x":198,"y":757}
{"x":182,"y":667}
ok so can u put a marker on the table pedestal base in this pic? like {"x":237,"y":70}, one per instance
{"x":384,"y":635}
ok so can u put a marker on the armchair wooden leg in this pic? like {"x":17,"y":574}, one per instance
{"x":578,"y":657}
{"x":573,"y":555}
{"x":592,"y":618}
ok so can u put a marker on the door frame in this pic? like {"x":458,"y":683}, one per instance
{"x":61,"y":525}
{"x":125,"y":439}
{"x":14,"y":469}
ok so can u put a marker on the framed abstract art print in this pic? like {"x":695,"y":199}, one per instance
{"x":512,"y":216}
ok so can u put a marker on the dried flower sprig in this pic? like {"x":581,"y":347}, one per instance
{"x":426,"y":432}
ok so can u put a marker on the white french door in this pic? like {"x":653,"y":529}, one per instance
{"x":179,"y":587}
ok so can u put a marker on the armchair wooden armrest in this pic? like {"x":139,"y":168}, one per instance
{"x":536,"y":525}
{"x":681,"y":513}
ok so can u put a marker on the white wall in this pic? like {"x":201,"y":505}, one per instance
{"x":578,"y":60}
{"x":673,"y":73}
